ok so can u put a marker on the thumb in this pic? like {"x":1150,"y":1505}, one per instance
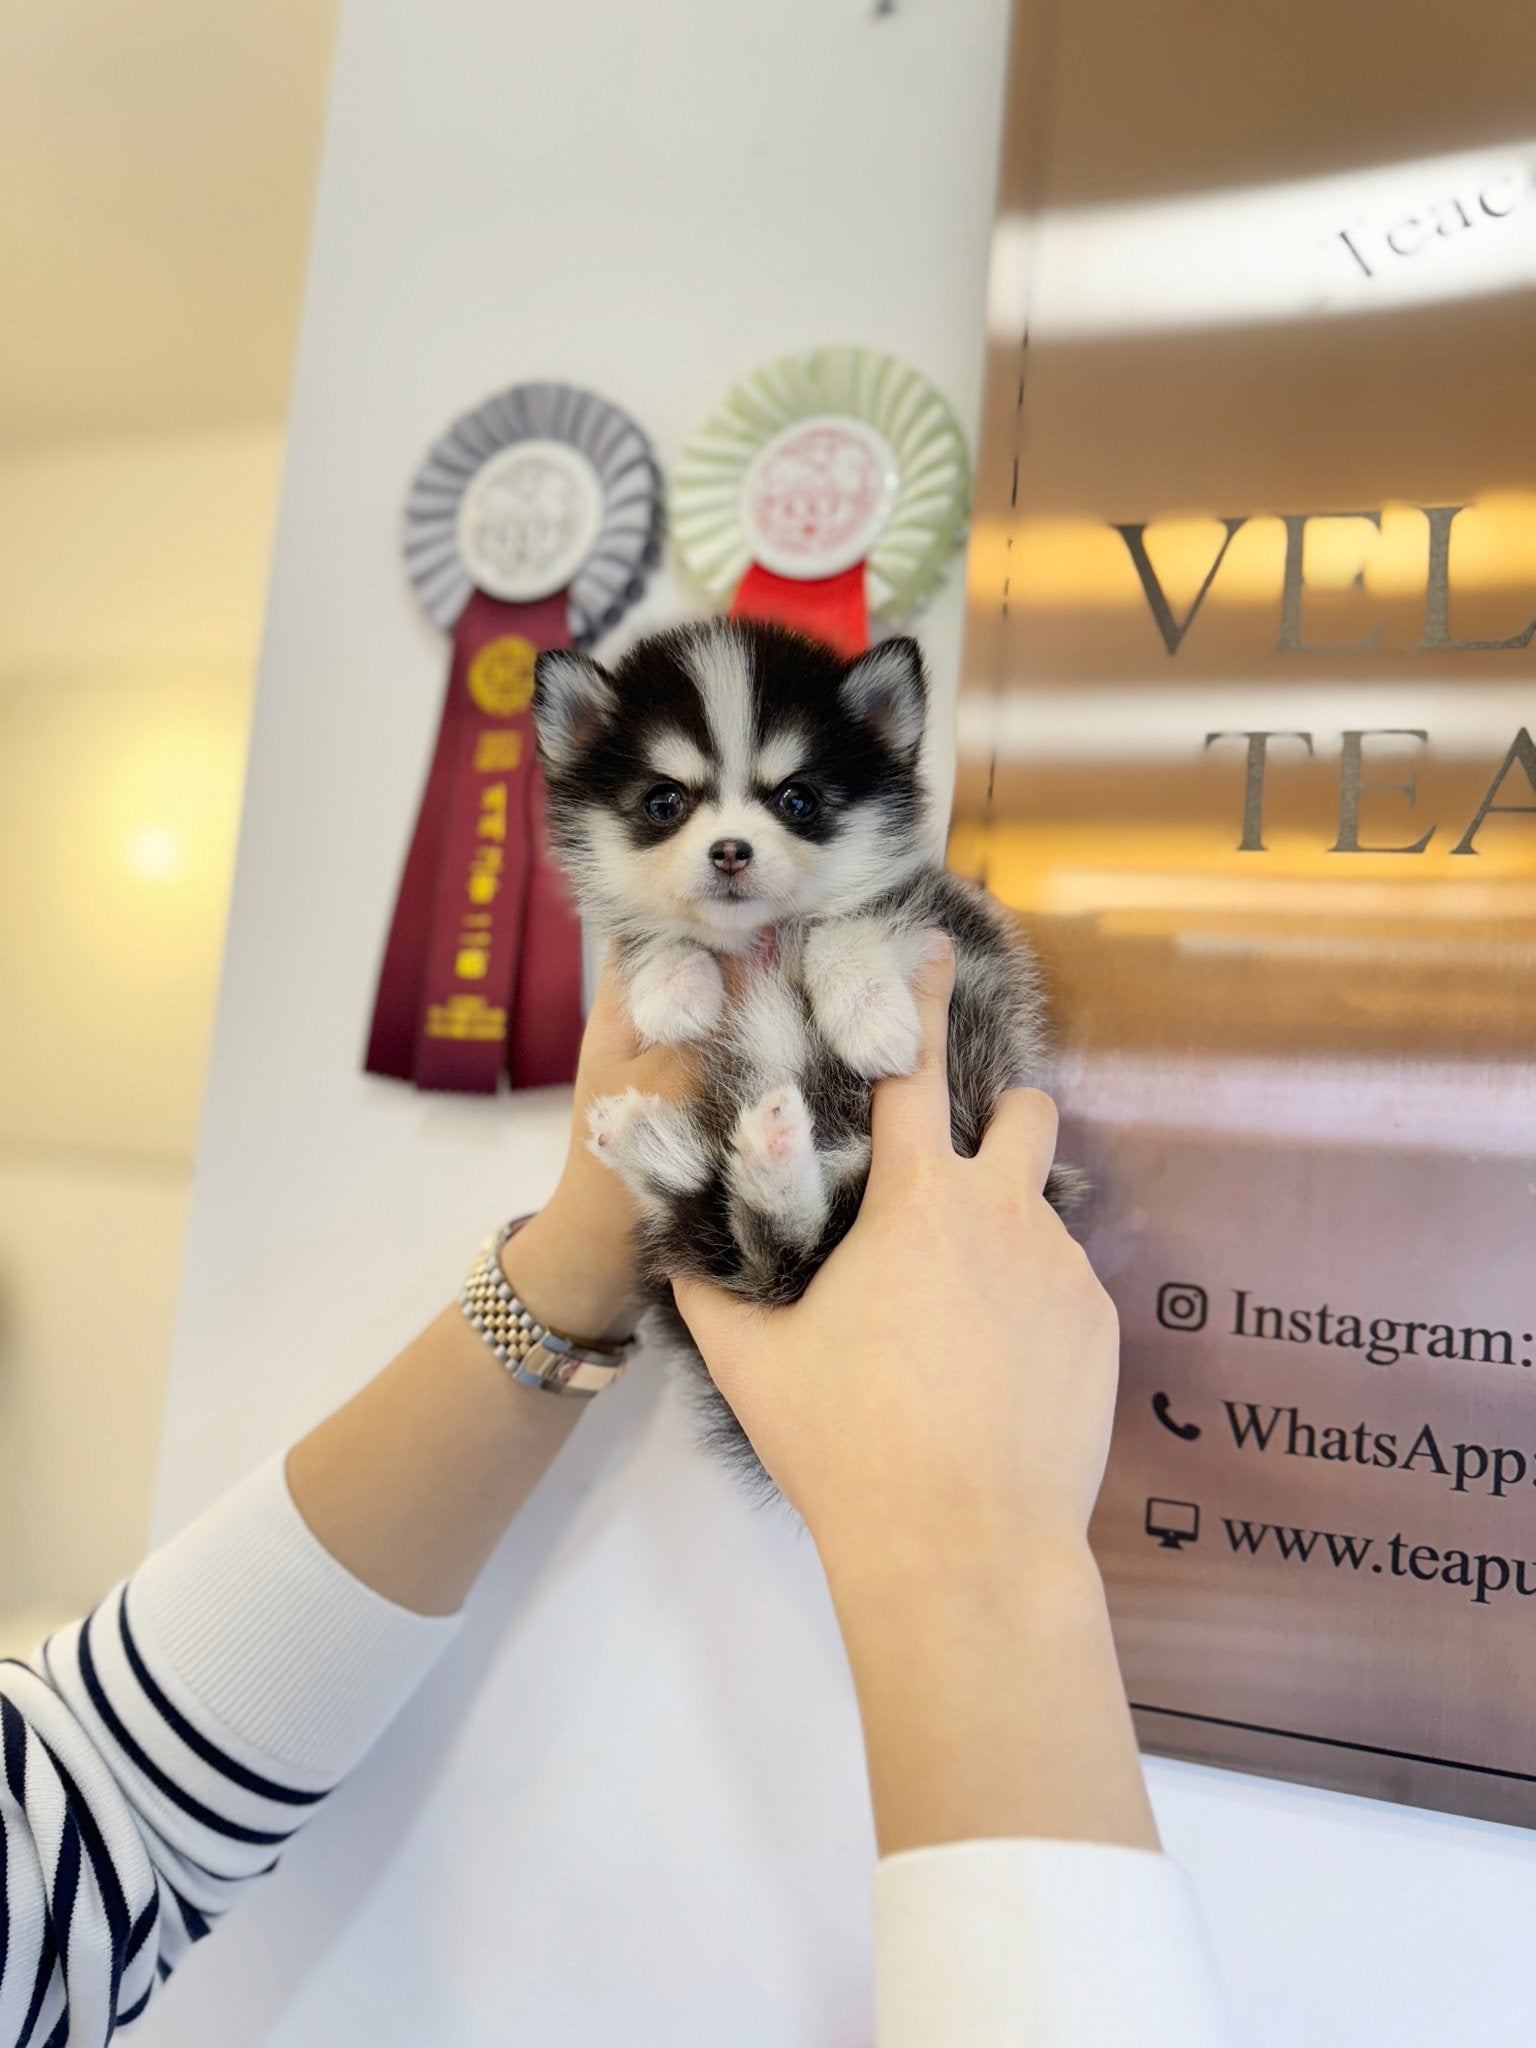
{"x":909,"y":1116}
{"x":712,"y":1314}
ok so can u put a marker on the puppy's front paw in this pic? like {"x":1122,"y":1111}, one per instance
{"x":676,"y":994}
{"x":872,"y":1025}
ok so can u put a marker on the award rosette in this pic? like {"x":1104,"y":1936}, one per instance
{"x":826,"y":489}
{"x":531,"y":524}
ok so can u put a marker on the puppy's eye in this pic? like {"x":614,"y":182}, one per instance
{"x":797,"y":801}
{"x":665,"y":804}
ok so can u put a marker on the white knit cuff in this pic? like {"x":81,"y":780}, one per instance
{"x":989,"y":1944}
{"x":247,"y":1618}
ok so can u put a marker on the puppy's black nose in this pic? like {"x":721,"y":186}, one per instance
{"x":730,"y":856}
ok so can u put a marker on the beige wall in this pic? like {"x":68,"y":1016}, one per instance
{"x":130,"y":606}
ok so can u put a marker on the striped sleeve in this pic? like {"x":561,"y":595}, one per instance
{"x":156,"y":1757}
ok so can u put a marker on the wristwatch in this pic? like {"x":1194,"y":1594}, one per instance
{"x":533,"y":1354}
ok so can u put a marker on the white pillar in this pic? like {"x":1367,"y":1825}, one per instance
{"x":632,"y":1810}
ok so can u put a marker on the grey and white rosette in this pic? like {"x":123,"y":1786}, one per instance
{"x":543,"y":487}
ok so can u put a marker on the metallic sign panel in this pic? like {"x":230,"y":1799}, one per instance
{"x":1245,"y":735}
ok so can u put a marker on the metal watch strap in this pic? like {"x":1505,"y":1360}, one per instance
{"x":534,"y":1355}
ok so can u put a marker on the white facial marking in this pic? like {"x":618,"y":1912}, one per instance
{"x":780,"y":755}
{"x":859,"y":863}
{"x":721,"y":667}
{"x":675,"y":758}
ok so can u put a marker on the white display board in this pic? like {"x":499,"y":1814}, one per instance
{"x":630,"y":1807}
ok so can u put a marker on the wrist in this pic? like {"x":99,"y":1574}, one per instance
{"x":575,"y":1279}
{"x":969,"y":1593}
{"x":991,"y":1701}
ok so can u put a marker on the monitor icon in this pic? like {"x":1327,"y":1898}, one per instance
{"x":1173,"y":1522}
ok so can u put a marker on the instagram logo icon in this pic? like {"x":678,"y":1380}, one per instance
{"x":1181,"y":1305}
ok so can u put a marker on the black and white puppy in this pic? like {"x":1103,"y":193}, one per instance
{"x":732,"y":788}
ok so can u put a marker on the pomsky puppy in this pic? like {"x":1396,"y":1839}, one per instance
{"x":732,"y":788}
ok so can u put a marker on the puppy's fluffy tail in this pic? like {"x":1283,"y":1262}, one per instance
{"x":1067,"y":1188}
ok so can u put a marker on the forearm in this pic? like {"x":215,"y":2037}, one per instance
{"x":991,"y":1699}
{"x":413,"y":1482}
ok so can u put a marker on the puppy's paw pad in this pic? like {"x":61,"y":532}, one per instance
{"x":775,"y":1132}
{"x":613,"y":1122}
{"x":677,"y":996}
{"x":876,"y":1030}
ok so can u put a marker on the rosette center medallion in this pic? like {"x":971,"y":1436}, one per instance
{"x":818,"y":496}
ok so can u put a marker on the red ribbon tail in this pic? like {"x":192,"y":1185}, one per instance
{"x":830,"y":608}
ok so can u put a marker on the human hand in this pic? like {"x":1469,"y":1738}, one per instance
{"x":938,"y":1408}
{"x":573,"y":1263}
{"x":948,"y":1378}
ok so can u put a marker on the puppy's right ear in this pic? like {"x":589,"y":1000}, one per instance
{"x":573,"y":699}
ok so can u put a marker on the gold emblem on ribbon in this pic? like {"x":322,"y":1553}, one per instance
{"x":469,"y":1018}
{"x":501,"y":676}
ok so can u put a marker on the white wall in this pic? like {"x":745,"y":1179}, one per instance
{"x":130,"y":608}
{"x":631,"y":1809}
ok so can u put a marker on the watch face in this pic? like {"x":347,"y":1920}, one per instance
{"x":528,"y":520}
{"x":818,"y":496}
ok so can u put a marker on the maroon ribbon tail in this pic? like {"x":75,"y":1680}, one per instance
{"x":482,"y":968}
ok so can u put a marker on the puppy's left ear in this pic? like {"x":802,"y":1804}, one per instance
{"x":573,"y":699}
{"x":887,"y":689}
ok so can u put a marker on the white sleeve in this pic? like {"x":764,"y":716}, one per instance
{"x":1033,"y":1944}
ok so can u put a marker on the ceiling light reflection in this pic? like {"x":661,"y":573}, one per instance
{"x":1438,"y":228}
{"x":1071,"y":562}
{"x":1054,"y":722}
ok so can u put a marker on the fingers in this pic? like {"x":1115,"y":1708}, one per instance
{"x":910,"y":1116}
{"x":609,"y":1033}
{"x":612,"y":1056}
{"x":1022,"y":1136}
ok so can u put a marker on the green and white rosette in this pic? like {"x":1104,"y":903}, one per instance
{"x":825,"y":490}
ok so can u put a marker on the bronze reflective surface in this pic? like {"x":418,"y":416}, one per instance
{"x":1252,"y":265}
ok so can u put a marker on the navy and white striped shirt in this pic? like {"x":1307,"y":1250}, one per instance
{"x":157,"y":1757}
{"x":159,"y":1754}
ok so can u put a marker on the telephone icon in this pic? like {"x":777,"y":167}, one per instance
{"x":1162,"y":1409}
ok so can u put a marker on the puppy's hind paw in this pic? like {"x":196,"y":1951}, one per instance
{"x":649,"y":1142}
{"x":611,"y":1122}
{"x":775,"y":1169}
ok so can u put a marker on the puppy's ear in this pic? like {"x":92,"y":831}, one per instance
{"x":886,"y":689}
{"x":573,"y":699}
